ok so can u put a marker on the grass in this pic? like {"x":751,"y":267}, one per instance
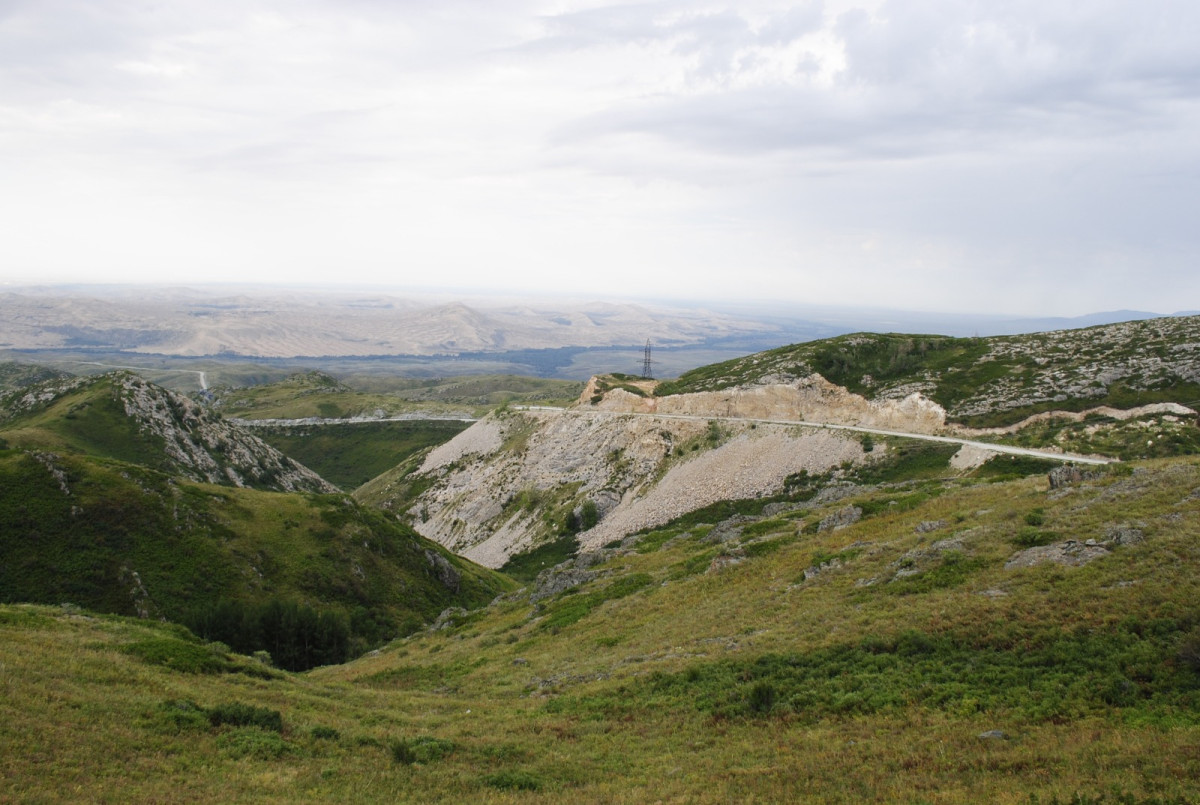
{"x":743,"y":684}
{"x":351,"y":455}
{"x":667,"y":677}
{"x":525,"y":566}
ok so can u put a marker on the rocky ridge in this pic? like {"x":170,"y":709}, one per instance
{"x":197,"y":443}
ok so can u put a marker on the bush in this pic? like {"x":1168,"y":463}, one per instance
{"x":245,"y":715}
{"x":762,"y":697}
{"x":1030,"y":537}
{"x":588,"y":515}
{"x":425,"y":749}
{"x":1189,"y":650}
{"x":177,"y":654}
{"x":183,"y":714}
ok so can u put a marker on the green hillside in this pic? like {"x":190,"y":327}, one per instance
{"x":990,"y":381}
{"x":118,"y":496}
{"x":957,"y":642}
{"x":115,"y":537}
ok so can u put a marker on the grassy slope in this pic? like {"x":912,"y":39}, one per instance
{"x":87,"y":420}
{"x":963,"y":374}
{"x":661,"y":681}
{"x":192,"y":544}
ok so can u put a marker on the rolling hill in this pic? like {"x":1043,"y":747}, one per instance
{"x":811,"y":614}
{"x":121,"y":497}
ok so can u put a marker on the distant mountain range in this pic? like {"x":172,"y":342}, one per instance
{"x":288,"y":323}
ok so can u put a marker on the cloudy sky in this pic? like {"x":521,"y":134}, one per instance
{"x":1018,"y":157}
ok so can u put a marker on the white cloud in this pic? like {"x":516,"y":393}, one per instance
{"x":991,"y":154}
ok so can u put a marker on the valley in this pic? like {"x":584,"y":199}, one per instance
{"x":873,"y":567}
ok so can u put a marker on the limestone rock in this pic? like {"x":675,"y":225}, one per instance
{"x":840,"y":518}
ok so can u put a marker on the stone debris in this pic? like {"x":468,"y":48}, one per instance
{"x":558,"y":579}
{"x":1071,"y":553}
{"x":840,"y":519}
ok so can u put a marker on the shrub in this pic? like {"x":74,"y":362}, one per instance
{"x":762,"y":697}
{"x":238,"y":714}
{"x":179,"y":655}
{"x":183,"y":714}
{"x":1030,"y":537}
{"x":425,"y":749}
{"x":1189,"y":650}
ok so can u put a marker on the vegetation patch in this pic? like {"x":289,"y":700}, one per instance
{"x":908,"y":460}
{"x":350,"y":455}
{"x":574,"y":607}
{"x":1048,"y":677}
{"x":524,"y":567}
{"x":252,"y":742}
{"x":954,"y":569}
{"x":423,"y":749}
{"x":514,"y":780}
{"x":186,"y":656}
{"x":295,"y":636}
{"x":239,"y":714}
{"x":1007,"y":468}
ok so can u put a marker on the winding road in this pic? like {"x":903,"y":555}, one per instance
{"x":995,"y":448}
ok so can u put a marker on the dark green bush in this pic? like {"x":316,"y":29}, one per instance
{"x":514,"y":780}
{"x":424,"y":749}
{"x":238,"y":714}
{"x":179,"y":654}
{"x":1030,"y":537}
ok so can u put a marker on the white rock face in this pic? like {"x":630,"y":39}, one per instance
{"x":206,"y":448}
{"x":754,"y":463}
{"x":811,"y":399}
{"x":507,"y":482}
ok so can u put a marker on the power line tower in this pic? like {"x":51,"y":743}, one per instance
{"x":647,"y":374}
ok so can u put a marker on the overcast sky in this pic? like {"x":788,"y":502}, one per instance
{"x":1018,"y":157}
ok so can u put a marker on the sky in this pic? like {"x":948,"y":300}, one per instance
{"x":1034,"y":158}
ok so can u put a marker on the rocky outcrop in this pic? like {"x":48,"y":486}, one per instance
{"x":515,"y":479}
{"x":204,"y":447}
{"x":808,"y":399}
{"x":1073,"y":553}
{"x":841,"y":518}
